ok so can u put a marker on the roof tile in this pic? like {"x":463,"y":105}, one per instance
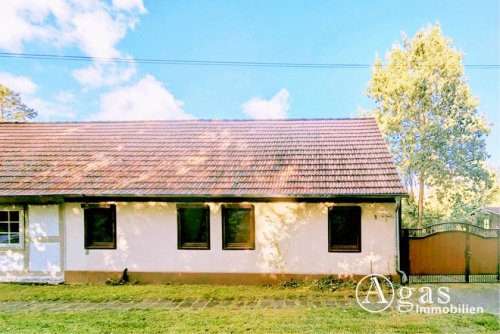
{"x":325,"y":157}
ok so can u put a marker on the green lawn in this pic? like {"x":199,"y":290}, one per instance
{"x":101,"y":293}
{"x":217,"y":319}
{"x":220,"y":320}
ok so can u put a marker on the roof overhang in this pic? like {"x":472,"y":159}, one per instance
{"x":55,"y":199}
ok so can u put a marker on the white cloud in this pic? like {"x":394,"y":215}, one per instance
{"x":148,"y":99}
{"x":19,"y":84}
{"x":48,"y":110}
{"x":97,"y":75}
{"x":94,"y":26}
{"x":130,"y":5}
{"x":275,"y":108}
{"x":20,"y":21}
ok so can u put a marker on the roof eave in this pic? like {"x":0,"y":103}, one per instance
{"x":61,"y":198}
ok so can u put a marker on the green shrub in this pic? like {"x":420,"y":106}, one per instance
{"x":291,"y":284}
{"x":327,"y":283}
{"x":116,"y":281}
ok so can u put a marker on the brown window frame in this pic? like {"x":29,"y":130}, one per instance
{"x":238,"y":246}
{"x":193,"y":245}
{"x":88,"y":244}
{"x":344,"y":248}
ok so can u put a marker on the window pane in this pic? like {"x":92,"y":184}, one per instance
{"x":193,"y":225}
{"x":486,"y":223}
{"x":14,"y":238}
{"x":4,"y":238}
{"x":9,"y":227}
{"x":14,"y":216}
{"x":345,"y":228}
{"x":100,"y":227}
{"x":14,"y":227}
{"x":343,"y":231}
{"x":238,"y":225}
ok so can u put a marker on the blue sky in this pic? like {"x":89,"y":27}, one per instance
{"x":267,"y":31}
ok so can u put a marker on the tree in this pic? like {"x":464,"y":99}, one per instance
{"x":12,"y":108}
{"x":429,"y":116}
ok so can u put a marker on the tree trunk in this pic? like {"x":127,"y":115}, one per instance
{"x":411,"y":183}
{"x":420,"y":200}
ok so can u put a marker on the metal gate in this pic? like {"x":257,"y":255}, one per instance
{"x":451,"y":252}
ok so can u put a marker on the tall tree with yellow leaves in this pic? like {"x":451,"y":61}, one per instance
{"x":429,"y":116}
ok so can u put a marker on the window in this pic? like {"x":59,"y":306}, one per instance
{"x":11,"y":228}
{"x":193,"y":226}
{"x":238,"y":227}
{"x":486,"y":223}
{"x":100,"y":226}
{"x":344,"y":229}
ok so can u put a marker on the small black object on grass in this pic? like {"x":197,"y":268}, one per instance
{"x":124,"y":279}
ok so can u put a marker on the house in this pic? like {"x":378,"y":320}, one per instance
{"x":487,"y":217}
{"x":197,"y":201}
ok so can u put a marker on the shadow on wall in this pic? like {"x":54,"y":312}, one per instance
{"x":38,"y":255}
{"x":279,"y":222}
{"x":290,"y":238}
{"x":11,"y":261}
{"x":137,"y":223}
{"x":295,"y":239}
{"x":39,"y":261}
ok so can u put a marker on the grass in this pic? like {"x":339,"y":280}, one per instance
{"x":220,"y":319}
{"x":328,"y":287}
{"x":131,"y":292}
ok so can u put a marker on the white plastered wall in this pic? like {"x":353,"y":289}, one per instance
{"x":40,"y":255}
{"x":289,"y":238}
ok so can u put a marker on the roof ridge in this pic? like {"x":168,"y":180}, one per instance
{"x":204,"y":120}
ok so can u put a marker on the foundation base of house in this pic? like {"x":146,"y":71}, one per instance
{"x":32,"y":279}
{"x":199,"y":278}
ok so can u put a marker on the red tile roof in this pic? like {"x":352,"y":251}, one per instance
{"x":271,"y":158}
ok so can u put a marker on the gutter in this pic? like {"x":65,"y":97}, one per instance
{"x":61,"y":198}
{"x":397,"y":216}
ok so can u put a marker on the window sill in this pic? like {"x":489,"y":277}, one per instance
{"x":344,"y":250}
{"x":239,"y":247}
{"x":194,"y":246}
{"x":101,"y":247}
{"x":12,"y":247}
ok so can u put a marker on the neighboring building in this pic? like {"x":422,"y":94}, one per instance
{"x":197,"y":201}
{"x":487,"y":217}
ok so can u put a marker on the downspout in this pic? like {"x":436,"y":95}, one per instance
{"x":397,"y":218}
